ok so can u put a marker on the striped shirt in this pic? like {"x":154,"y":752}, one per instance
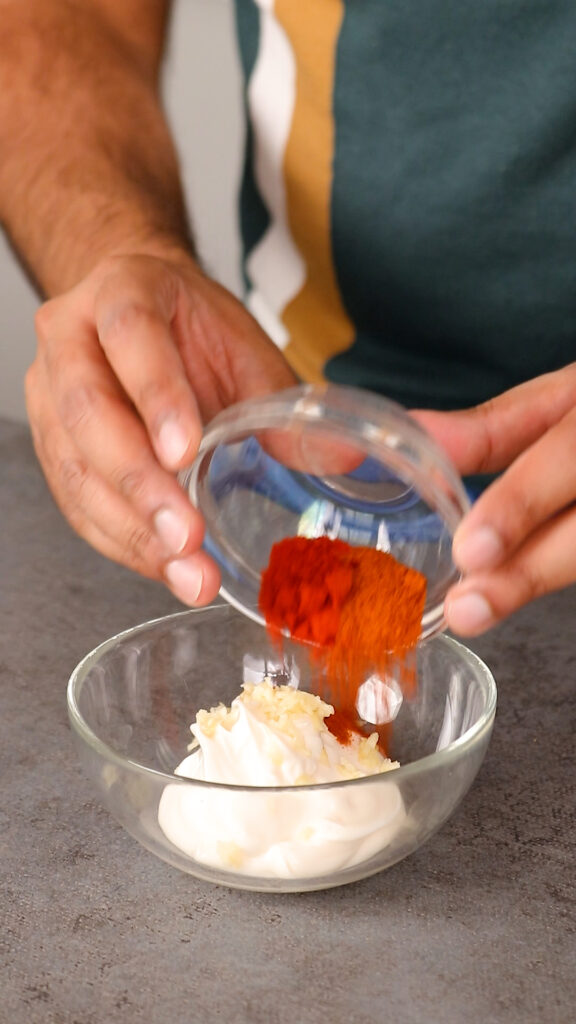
{"x":409,"y":192}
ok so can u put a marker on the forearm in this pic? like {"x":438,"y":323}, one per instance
{"x":87,"y":166}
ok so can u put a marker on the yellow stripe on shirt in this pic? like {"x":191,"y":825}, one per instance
{"x":316,"y":319}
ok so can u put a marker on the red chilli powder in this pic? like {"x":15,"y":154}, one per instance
{"x":359,"y":607}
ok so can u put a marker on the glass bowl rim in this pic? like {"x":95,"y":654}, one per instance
{"x":297,"y":403}
{"x":431,"y":761}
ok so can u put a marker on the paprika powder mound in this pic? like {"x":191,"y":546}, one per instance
{"x":358,"y":607}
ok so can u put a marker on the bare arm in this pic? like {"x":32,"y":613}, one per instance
{"x":137,"y":347}
{"x":87,"y":164}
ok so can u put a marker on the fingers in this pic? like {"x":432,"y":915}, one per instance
{"x":99,"y":515}
{"x":194,"y":580}
{"x":516,"y":543}
{"x":134,"y":317}
{"x":545,"y":563}
{"x":109,"y":438}
{"x":104,"y":518}
{"x":488,"y":438}
{"x":94,"y":446}
{"x":538,"y":485}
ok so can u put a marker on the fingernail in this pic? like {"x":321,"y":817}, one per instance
{"x":480,"y":549}
{"x":172,"y":442}
{"x":172,"y":530}
{"x":186,"y":578}
{"x":468,"y":614}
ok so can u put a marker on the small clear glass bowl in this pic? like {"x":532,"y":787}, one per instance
{"x":325,"y":460}
{"x":131,"y":702}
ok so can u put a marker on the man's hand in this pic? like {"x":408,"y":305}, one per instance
{"x":519,"y":539}
{"x":143,"y":348}
{"x":130,"y":364}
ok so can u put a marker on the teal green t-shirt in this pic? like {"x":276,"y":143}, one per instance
{"x":409,"y":197}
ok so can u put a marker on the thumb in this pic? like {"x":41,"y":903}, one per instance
{"x":488,"y":437}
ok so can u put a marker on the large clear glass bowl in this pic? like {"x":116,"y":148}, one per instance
{"x":325,"y":460}
{"x":131,"y":702}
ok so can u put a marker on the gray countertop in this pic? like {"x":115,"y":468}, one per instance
{"x":478,"y":926}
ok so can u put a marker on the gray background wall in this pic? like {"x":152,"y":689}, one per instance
{"x":202,"y":91}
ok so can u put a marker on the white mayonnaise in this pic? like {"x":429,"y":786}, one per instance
{"x":277,"y":736}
